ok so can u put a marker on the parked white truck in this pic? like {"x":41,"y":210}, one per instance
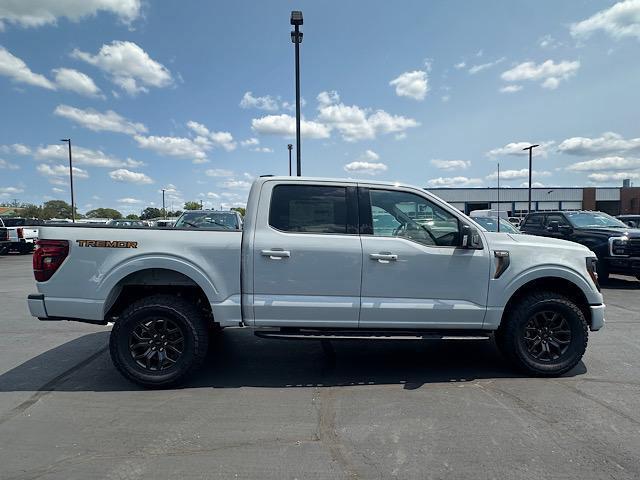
{"x":325,"y":260}
{"x":22,"y":233}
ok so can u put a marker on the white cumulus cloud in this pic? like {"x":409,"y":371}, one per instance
{"x":35,"y":13}
{"x":511,"y":88}
{"x":285,"y":125}
{"x":218,"y":172}
{"x":75,"y":81}
{"x":180,"y":147}
{"x":266,"y":102}
{"x":548,"y":73}
{"x":619,"y":21}
{"x":450,"y":164}
{"x":18,"y":71}
{"x":130,"y":67}
{"x":124,"y":175}
{"x":606,"y":163}
{"x":516,"y":148}
{"x":4,"y":164}
{"x":608,"y":143}
{"x":413,"y":84}
{"x":613,"y":177}
{"x":454,"y":182}
{"x":129,"y":201}
{"x":108,"y":121}
{"x":83,"y":156}
{"x":217,"y":139}
{"x":60,"y":171}
{"x":516,"y":174}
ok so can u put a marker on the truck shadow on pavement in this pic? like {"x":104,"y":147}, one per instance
{"x":239,"y":359}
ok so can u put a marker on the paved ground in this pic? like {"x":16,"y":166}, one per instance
{"x":278,"y":409}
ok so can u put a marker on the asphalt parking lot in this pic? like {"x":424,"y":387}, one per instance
{"x":282,"y":409}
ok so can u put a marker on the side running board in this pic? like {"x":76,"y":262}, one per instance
{"x":295,"y":334}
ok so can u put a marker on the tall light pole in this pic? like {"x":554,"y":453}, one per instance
{"x":164,"y":210}
{"x":290,"y":147}
{"x":73,"y":203}
{"x":498,"y":221}
{"x":530,"y":148}
{"x":296,"y":38}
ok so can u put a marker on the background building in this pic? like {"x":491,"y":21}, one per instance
{"x":612,"y":200}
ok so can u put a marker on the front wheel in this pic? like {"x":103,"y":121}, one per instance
{"x":158,"y":341}
{"x":545,"y":334}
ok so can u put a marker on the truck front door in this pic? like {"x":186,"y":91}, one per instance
{"x":307,"y":256}
{"x":414,"y":274}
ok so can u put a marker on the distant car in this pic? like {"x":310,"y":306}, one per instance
{"x":515,"y":221}
{"x":210,"y":220}
{"x":123,"y":222}
{"x":616,"y":244}
{"x":490,"y":225}
{"x":631,"y":220}
{"x":165,"y":223}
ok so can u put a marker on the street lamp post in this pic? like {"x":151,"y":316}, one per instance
{"x":296,"y":38}
{"x":530,"y":148}
{"x":73,"y":203}
{"x":164,"y":210}
{"x":290,"y":147}
{"x":498,"y":221}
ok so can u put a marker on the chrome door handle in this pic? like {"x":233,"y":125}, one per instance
{"x":383,"y":257}
{"x":276,"y":253}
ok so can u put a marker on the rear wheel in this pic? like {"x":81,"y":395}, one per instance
{"x":545,"y":334}
{"x":158,"y":341}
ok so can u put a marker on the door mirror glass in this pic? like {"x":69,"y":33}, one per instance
{"x":565,"y":229}
{"x":470,"y":238}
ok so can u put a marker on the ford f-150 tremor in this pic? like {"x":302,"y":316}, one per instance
{"x":325,"y":260}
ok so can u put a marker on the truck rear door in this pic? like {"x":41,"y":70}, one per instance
{"x":307,"y":255}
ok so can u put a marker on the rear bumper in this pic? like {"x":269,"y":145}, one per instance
{"x":36,"y":305}
{"x":56,"y":309}
{"x":597,"y":317}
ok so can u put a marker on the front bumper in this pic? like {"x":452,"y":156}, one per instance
{"x":597,"y":317}
{"x":623,"y":265}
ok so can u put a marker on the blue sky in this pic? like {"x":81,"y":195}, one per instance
{"x":197,"y":97}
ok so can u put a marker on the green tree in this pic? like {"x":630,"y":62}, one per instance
{"x":151,"y":212}
{"x":132,"y":216}
{"x":32,"y":211}
{"x":242,"y":211}
{"x":104,"y":213}
{"x":192,"y":206}
{"x":56,"y":209}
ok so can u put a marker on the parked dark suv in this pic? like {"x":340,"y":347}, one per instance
{"x":617,"y":245}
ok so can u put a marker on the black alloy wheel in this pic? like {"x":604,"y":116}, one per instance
{"x":547,"y":336}
{"x":156,"y":344}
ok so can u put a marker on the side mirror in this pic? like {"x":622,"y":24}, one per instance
{"x":470,"y":238}
{"x":565,"y":229}
{"x":554,"y":226}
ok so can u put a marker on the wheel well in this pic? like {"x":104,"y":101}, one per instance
{"x":551,"y":284}
{"x":153,"y":281}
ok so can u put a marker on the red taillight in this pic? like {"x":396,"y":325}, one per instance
{"x":20,"y":233}
{"x":48,"y":257}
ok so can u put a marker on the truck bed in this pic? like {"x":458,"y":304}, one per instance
{"x":101,"y":258}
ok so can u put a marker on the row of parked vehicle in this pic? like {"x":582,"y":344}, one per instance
{"x":21,"y":234}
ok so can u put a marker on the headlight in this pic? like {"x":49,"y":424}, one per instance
{"x":592,"y":269}
{"x":618,"y":246}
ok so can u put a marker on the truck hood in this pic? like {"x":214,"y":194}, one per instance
{"x":612,"y":232}
{"x":503,"y":240}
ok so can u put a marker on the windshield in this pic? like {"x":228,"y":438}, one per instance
{"x":491,"y":225}
{"x":593,"y":220}
{"x":208,"y":220}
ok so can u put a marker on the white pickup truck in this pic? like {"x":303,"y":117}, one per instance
{"x":22,"y":233}
{"x":323,"y":260}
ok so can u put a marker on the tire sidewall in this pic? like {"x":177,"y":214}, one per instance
{"x":578,"y":337}
{"x":120,"y":339}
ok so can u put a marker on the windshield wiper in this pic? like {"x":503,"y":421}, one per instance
{"x":190,"y":224}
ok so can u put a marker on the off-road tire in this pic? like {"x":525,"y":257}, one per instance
{"x":184,"y":315}
{"x":510,"y":338}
